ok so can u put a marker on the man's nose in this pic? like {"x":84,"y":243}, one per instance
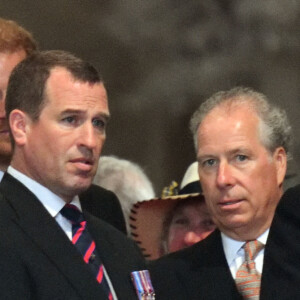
{"x":225,"y":176}
{"x":88,"y":136}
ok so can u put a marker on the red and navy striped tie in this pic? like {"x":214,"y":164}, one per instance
{"x":84,"y":243}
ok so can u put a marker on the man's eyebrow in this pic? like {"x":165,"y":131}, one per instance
{"x":80,"y":112}
{"x":72,"y":111}
{"x":105,"y":116}
{"x":202,"y":157}
{"x":228,"y":152}
{"x":238,"y":150}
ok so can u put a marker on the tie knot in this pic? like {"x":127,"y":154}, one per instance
{"x":252,"y":248}
{"x":72,"y":213}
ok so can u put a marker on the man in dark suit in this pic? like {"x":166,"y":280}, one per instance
{"x":51,"y":249}
{"x":242,"y":143}
{"x":16,"y":43}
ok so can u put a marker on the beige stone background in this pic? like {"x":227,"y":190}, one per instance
{"x":161,"y":58}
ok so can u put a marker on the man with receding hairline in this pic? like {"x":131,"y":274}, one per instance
{"x":16,"y":43}
{"x":242,"y":143}
{"x":51,"y":247}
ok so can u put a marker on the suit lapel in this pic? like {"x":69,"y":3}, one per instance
{"x":47,"y":235}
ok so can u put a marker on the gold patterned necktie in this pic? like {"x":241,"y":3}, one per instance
{"x":247,"y":277}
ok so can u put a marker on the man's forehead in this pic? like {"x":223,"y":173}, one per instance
{"x":74,"y":95}
{"x":58,"y":72}
{"x":222,"y":127}
{"x":61,"y":78}
{"x":230,"y":113}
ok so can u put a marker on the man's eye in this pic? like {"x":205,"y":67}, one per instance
{"x":241,"y":157}
{"x":98,"y":123}
{"x":209,"y":162}
{"x":69,"y":120}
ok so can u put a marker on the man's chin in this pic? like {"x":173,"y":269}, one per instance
{"x":233,"y":223}
{"x":68,"y":192}
{"x":81,"y":186}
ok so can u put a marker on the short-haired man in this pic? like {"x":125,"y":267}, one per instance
{"x":16,"y":43}
{"x":242,"y":142}
{"x":58,"y":110}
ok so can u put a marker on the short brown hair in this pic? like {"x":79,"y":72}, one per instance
{"x":26,"y":86}
{"x":13,"y":37}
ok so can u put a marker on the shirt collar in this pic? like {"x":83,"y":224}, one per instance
{"x":50,"y":201}
{"x":231,"y":246}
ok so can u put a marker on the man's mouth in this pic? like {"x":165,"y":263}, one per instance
{"x":230,"y":203}
{"x":83,"y":160}
{"x":83,"y":164}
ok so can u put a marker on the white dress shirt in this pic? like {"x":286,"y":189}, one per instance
{"x":235,"y":254}
{"x":53,"y":204}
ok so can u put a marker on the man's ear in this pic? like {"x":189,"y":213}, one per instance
{"x":18,"y":121}
{"x":280,"y":159}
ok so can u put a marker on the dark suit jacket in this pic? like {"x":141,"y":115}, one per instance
{"x":198,"y":272}
{"x":38,"y":261}
{"x":105,"y":205}
{"x":201,"y":271}
{"x":282,"y":272}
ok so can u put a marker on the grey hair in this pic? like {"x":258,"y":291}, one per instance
{"x":127,"y":180}
{"x":274,"y":128}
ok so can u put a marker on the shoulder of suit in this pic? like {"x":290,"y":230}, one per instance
{"x":290,"y":202}
{"x":293,"y":191}
{"x":291,"y":195}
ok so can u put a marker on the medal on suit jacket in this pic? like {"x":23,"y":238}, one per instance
{"x":143,"y":285}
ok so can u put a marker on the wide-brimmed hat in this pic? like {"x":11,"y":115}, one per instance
{"x":147,"y":217}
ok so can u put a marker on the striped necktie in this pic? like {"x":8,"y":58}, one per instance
{"x":247,"y":277}
{"x":84,"y":243}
